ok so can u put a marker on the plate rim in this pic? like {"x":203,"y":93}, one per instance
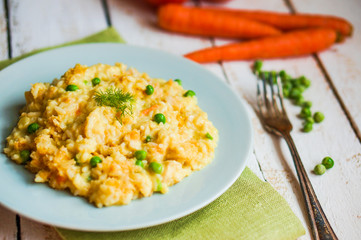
{"x":181,"y":214}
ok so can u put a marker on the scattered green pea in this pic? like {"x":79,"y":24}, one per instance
{"x":94,"y":161}
{"x":25,"y":155}
{"x":89,"y":178}
{"x":328,"y":162}
{"x":295,"y":93}
{"x":33,"y":128}
{"x":285,"y":92}
{"x":257,"y":66}
{"x":310,"y":120}
{"x":305,"y":112}
{"x":178,"y":81}
{"x":319,"y":169}
{"x":307,"y":127}
{"x":148,"y":138}
{"x":140,"y":154}
{"x":159,"y":118}
{"x":209,"y":136}
{"x":139,"y":163}
{"x":189,"y":93}
{"x":71,"y":88}
{"x":149,"y":90}
{"x":156,"y":167}
{"x":319,"y":117}
{"x":305,"y":82}
{"x":307,"y":104}
{"x":282,"y":74}
{"x":96,"y":81}
{"x":299,"y":101}
{"x":287,"y":85}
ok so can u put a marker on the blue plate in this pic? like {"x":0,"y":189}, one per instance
{"x":59,"y":208}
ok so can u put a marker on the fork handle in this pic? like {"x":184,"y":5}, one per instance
{"x":321,"y":228}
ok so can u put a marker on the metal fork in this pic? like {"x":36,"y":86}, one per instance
{"x":275,"y":120}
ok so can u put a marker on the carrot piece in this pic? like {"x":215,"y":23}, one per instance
{"x":193,"y":20}
{"x":294,"y":43}
{"x":286,"y":21}
{"x":148,"y":110}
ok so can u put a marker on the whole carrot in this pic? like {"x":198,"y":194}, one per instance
{"x":285,"y":21}
{"x":295,"y":43}
{"x":193,"y":20}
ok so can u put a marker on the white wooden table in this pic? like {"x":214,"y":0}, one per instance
{"x":335,"y":89}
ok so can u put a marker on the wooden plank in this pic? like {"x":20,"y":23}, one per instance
{"x":33,"y":230}
{"x":8,"y":229}
{"x":3,"y":33}
{"x":273,"y":154}
{"x":343,"y":61}
{"x":136,"y":22}
{"x":42,"y":23}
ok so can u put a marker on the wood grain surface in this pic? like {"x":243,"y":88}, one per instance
{"x":335,"y":86}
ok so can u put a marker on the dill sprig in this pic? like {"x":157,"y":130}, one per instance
{"x":116,"y":98}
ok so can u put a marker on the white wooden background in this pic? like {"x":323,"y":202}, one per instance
{"x":30,"y":24}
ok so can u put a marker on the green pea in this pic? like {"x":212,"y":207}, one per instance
{"x":71,"y":88}
{"x":296,"y":82}
{"x":140,"y":154}
{"x":159,"y":118}
{"x":285,"y":92}
{"x":287,"y":85}
{"x":305,"y":112}
{"x":139,"y":163}
{"x":282,"y":74}
{"x":209,"y":136}
{"x":328,"y":162}
{"x":94,"y":161}
{"x":307,"y":127}
{"x":149,"y":90}
{"x":178,"y":81}
{"x":319,"y":169}
{"x":299,"y":101}
{"x":257,"y":66}
{"x":310,"y":120}
{"x":295,"y":93}
{"x":96,"y":81}
{"x":307,"y":104}
{"x":33,"y":128}
{"x":286,"y":78}
{"x":159,"y":185}
{"x":156,"y":167}
{"x":189,"y":93}
{"x":305,"y":82}
{"x":89,"y":178}
{"x":25,"y":155}
{"x":318,"y":116}
{"x":148,"y":138}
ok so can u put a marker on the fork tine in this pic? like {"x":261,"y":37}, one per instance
{"x":280,"y":95}
{"x":266,"y":99}
{"x":260,"y":101}
{"x":274,"y":94}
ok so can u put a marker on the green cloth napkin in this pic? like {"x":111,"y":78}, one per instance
{"x":108,"y":35}
{"x":250,"y":210}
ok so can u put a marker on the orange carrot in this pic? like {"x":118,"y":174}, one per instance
{"x":193,"y":20}
{"x":285,"y":21}
{"x":294,"y":43}
{"x":148,"y":110}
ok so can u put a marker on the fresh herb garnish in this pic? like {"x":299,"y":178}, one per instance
{"x":116,"y":98}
